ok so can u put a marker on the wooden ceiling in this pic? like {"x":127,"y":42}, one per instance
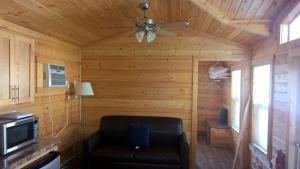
{"x":83,"y":22}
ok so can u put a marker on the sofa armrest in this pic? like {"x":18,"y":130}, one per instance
{"x":184,"y":151}
{"x":91,"y":143}
{"x":88,"y":146}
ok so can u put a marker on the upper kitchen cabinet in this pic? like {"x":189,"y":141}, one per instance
{"x":17,"y":65}
{"x":6,"y":81}
{"x":24,"y":69}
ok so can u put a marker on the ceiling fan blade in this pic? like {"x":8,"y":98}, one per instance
{"x":125,"y":27}
{"x":137,"y":21}
{"x":165,"y":32}
{"x":177,"y":24}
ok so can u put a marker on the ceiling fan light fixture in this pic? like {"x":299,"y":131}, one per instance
{"x":150,"y":36}
{"x":139,"y":36}
{"x":147,"y":26}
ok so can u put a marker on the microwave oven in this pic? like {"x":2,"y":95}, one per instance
{"x":17,"y":133}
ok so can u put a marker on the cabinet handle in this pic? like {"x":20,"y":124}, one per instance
{"x":13,"y":94}
{"x":18,"y":93}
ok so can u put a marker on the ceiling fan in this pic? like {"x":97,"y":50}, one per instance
{"x":147,"y":26}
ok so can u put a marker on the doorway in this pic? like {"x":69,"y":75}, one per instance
{"x":218,"y":96}
{"x":212,"y":151}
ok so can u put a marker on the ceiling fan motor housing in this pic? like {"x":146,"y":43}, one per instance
{"x":145,"y":6}
{"x":150,"y":21}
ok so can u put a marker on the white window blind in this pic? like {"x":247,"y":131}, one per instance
{"x":291,"y":30}
{"x":260,"y":106}
{"x":236,"y":98}
{"x":294,"y":27}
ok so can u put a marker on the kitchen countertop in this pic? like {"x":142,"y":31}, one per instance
{"x":17,"y":158}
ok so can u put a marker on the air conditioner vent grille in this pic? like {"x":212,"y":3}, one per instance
{"x":54,"y":75}
{"x":57,"y":79}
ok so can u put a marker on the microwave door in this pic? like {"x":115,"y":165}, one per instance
{"x":20,"y":134}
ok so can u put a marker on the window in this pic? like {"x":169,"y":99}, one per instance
{"x":294,"y":26}
{"x":291,"y":30}
{"x":236,"y":98}
{"x":260,"y":106}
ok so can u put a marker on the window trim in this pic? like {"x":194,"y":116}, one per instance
{"x":234,"y":127}
{"x":289,"y":28}
{"x":282,"y":28}
{"x":270,"y":62}
{"x":285,"y":22}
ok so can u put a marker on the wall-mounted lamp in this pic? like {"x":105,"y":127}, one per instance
{"x":85,"y":89}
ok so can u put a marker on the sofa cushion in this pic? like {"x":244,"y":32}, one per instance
{"x":113,"y":153}
{"x":159,"y":155}
{"x":138,"y":135}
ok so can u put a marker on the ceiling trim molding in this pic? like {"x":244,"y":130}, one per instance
{"x":258,"y":27}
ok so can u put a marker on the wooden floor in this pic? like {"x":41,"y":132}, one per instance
{"x":209,"y":157}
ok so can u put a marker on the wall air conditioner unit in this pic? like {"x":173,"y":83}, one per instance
{"x":54,"y":75}
{"x":218,"y":72}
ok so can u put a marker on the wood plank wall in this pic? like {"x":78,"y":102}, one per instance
{"x":50,"y":50}
{"x":209,"y":97}
{"x":281,"y":91}
{"x":133,"y":78}
{"x":226,"y":97}
{"x":141,"y":87}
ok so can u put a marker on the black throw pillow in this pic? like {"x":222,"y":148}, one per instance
{"x":223,"y":118}
{"x":138,"y":136}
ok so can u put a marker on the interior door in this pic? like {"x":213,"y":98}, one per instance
{"x":23,"y":68}
{"x":294,"y":135}
{"x":6,"y":51}
{"x":297,"y":111}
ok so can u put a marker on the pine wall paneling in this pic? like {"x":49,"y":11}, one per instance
{"x":281,"y":88}
{"x":50,"y":50}
{"x":131,"y":78}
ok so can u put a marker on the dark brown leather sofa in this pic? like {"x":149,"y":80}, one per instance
{"x":108,"y":148}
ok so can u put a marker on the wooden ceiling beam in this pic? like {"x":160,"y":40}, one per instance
{"x":258,"y":27}
{"x":247,"y":21}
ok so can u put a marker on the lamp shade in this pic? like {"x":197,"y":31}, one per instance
{"x":85,"y":89}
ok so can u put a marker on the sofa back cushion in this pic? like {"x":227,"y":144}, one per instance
{"x":164,"y":131}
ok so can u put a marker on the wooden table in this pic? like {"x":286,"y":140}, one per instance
{"x":218,"y":134}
